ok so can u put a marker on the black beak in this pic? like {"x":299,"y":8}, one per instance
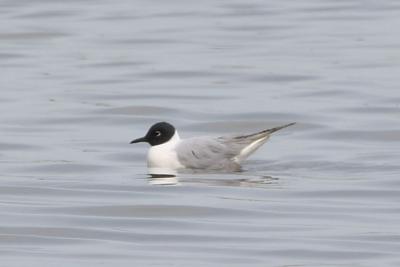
{"x":141,"y":139}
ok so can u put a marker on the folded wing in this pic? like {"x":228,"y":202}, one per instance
{"x":225,"y":152}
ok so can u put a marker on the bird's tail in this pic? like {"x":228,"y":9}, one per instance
{"x":253,"y":141}
{"x":263,"y":134}
{"x":272,"y":130}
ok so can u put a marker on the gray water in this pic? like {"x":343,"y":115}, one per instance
{"x":80,"y":79}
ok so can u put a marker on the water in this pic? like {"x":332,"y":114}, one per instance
{"x":81,"y":79}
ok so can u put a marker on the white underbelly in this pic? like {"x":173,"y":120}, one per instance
{"x":163,"y":158}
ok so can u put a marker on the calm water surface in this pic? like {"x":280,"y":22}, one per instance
{"x":80,"y":79}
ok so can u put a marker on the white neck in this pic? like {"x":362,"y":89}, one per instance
{"x":164,"y":155}
{"x":174,"y":139}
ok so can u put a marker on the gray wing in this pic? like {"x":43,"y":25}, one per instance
{"x":245,"y":145}
{"x":223,"y":152}
{"x":207,"y":153}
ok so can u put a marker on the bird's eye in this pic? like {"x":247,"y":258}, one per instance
{"x":157,"y":133}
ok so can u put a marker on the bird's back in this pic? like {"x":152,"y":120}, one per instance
{"x":206,"y":153}
{"x":225,"y":152}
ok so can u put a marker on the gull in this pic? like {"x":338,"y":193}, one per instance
{"x":169,"y":151}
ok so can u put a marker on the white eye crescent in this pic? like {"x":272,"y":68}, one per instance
{"x":157,"y":133}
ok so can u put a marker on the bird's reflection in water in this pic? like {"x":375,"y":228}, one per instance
{"x":163,"y":179}
{"x":248,"y":181}
{"x":162,"y":176}
{"x":237,"y":179}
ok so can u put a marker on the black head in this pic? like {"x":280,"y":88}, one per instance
{"x":158,"y":134}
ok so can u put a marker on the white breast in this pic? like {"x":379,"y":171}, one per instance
{"x":164,"y":155}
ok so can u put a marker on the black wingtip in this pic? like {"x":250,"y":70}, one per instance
{"x":272,"y":130}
